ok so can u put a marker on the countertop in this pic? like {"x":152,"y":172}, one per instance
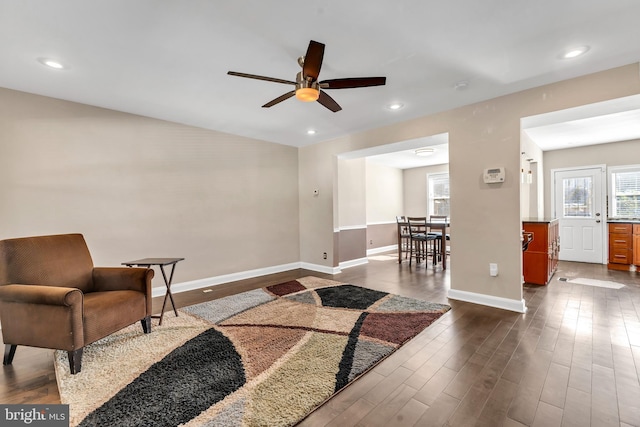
{"x":624,"y":220}
{"x":540,"y":220}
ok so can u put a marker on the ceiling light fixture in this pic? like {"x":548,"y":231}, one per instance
{"x":574,"y":52}
{"x":424,"y":152}
{"x":51,"y":63}
{"x":311,"y":132}
{"x":395,"y":106}
{"x":307,"y":91}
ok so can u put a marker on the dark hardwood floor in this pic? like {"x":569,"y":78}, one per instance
{"x":572,"y":360}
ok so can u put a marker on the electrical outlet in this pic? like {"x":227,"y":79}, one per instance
{"x":324,"y":255}
{"x":371,"y":242}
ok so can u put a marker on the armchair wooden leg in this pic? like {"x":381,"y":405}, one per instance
{"x":9,"y":352}
{"x":146,"y":324}
{"x":75,"y":361}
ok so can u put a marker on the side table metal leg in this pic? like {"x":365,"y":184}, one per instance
{"x":168,"y":294}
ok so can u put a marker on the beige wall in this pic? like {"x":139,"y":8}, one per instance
{"x":352,"y":191}
{"x":353,"y":244}
{"x":485,"y":218}
{"x":384,"y":193}
{"x":381,"y":236}
{"x":613,"y":154}
{"x":138,"y":187}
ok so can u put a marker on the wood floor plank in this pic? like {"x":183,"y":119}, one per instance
{"x":547,"y":416}
{"x":604,"y":409}
{"x":555,"y":387}
{"x":495,"y":409}
{"x":438,"y":414}
{"x":525,"y":403}
{"x":353,"y":414}
{"x":387,"y":386}
{"x":408,"y":415}
{"x":435,"y":386}
{"x":577,"y":408}
{"x":387,"y":409}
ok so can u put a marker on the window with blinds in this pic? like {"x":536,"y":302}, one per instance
{"x":438,"y":193}
{"x":624,"y":200}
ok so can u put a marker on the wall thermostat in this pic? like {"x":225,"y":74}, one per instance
{"x":493,"y":175}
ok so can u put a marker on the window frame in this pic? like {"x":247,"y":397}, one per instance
{"x":431,"y":199}
{"x":611,"y":190}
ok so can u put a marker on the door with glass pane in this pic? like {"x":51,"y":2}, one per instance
{"x":581,"y":214}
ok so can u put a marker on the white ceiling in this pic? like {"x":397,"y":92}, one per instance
{"x":168,"y":59}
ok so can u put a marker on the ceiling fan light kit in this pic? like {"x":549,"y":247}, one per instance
{"x":306,"y":91}
{"x":307,"y":86}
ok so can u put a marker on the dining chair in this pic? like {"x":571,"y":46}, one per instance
{"x":404,"y":237}
{"x":419,"y":238}
{"x":438,"y":234}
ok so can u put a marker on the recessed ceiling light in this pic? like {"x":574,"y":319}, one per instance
{"x":395,"y":106}
{"x":574,"y":52}
{"x":424,"y":152}
{"x":51,"y":63}
{"x":461,"y":85}
{"x":311,"y":132}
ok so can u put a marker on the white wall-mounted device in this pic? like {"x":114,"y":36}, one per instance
{"x":493,"y":175}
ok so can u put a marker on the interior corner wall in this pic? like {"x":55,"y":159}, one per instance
{"x":485,"y":218}
{"x":352,"y":191}
{"x":138,"y":187}
{"x":415,"y":189}
{"x":384,"y":202}
{"x":531,"y":195}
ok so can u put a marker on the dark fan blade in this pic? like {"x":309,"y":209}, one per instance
{"x":313,"y":61}
{"x":253,"y":76}
{"x":353,"y":82}
{"x":279,"y":99}
{"x":329,"y":102}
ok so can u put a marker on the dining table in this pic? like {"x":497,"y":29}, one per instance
{"x":432,"y":225}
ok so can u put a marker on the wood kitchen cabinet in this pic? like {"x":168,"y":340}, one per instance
{"x":636,"y":244}
{"x":624,"y":246}
{"x":540,"y":260}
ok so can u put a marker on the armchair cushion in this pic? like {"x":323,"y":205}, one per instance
{"x":61,"y":260}
{"x":124,"y":278}
{"x":103,"y":312}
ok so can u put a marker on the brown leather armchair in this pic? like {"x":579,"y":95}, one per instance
{"x":51,"y":296}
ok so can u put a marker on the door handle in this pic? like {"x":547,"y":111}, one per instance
{"x":598,"y":221}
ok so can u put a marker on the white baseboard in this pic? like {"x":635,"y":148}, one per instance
{"x":382,"y":249}
{"x":354,"y":262}
{"x":320,"y":268}
{"x":489,"y":300}
{"x":159,"y":291}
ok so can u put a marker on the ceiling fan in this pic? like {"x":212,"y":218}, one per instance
{"x":308,"y":88}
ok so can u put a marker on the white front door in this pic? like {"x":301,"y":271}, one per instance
{"x":581,"y":213}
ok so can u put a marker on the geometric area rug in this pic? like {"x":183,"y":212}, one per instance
{"x":266,"y":357}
